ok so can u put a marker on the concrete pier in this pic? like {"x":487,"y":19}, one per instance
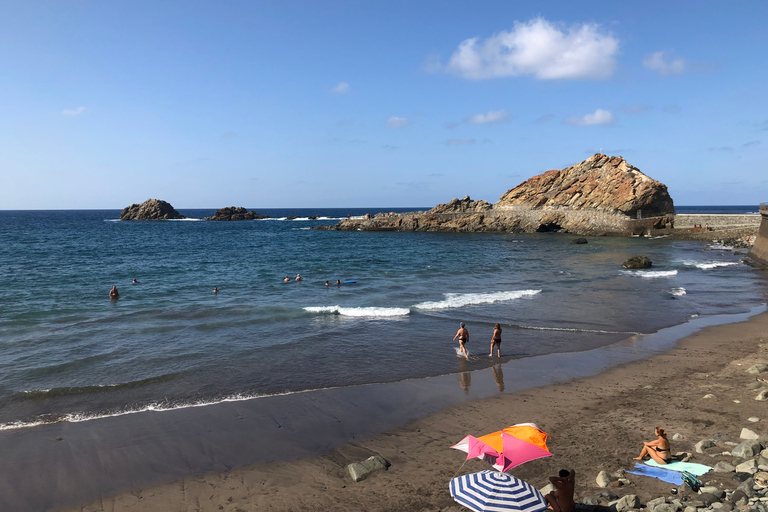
{"x":759,"y":251}
{"x":716,"y":221}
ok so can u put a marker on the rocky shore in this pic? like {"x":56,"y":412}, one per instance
{"x":151,"y":209}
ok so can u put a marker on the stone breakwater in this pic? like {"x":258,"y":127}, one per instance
{"x":759,"y":252}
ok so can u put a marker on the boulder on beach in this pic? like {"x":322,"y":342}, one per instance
{"x":235,"y":213}
{"x":151,"y":209}
{"x":637,"y":262}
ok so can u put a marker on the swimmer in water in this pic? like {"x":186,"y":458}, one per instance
{"x":338,"y":283}
{"x":327,"y":283}
{"x":215,"y":289}
{"x":113,"y":293}
{"x":135,"y":281}
{"x":298,"y":277}
{"x":287,"y":279}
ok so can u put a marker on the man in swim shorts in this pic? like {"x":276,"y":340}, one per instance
{"x":463,"y":335}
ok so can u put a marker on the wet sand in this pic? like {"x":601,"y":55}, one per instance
{"x":289,"y":453}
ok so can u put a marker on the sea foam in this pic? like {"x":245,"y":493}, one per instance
{"x":458,"y":300}
{"x":710,"y":265}
{"x":677,"y":292}
{"x":358,"y":312}
{"x":650,"y":274}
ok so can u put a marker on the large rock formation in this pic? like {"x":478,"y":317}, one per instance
{"x":235,"y":213}
{"x":759,"y":251}
{"x":151,"y":209}
{"x":601,"y":182}
{"x":601,"y":195}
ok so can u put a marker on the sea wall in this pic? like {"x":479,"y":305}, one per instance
{"x":716,"y":221}
{"x":759,"y":251}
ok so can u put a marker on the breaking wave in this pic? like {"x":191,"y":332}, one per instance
{"x":358,"y":312}
{"x":650,"y":274}
{"x":710,"y":265}
{"x":458,"y":300}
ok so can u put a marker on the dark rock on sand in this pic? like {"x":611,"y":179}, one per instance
{"x":151,"y":209}
{"x":579,"y":241}
{"x":607,"y":495}
{"x":707,"y":499}
{"x":235,"y":213}
{"x":637,"y":262}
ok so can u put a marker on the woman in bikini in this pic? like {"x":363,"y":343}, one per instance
{"x":496,"y":340}
{"x":463,"y":336}
{"x":658,"y":450}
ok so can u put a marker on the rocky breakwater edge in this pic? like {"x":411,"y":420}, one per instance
{"x":603,"y":195}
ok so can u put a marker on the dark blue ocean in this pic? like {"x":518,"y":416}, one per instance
{"x":69,"y":353}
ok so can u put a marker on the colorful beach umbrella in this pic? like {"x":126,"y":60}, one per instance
{"x":507,"y":448}
{"x":491,"y":491}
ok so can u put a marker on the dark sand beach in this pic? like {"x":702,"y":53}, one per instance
{"x":185,"y":460}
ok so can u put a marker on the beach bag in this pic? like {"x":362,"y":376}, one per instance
{"x":691,"y":481}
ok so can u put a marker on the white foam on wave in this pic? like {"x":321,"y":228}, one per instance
{"x":650,"y":274}
{"x":709,"y":265}
{"x":458,"y":300}
{"x":677,"y":292}
{"x":359,"y":312}
{"x":572,"y":329}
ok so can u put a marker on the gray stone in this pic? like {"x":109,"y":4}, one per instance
{"x":724,"y":467}
{"x":713,"y":490}
{"x":607,"y":495}
{"x":603,"y":479}
{"x":747,"y":449}
{"x":747,"y":487}
{"x":757,"y":368}
{"x":547,"y":489}
{"x":741,"y":477}
{"x":652,"y":504}
{"x":628,"y":502}
{"x":689,"y":509}
{"x":703,"y":445}
{"x":707,"y":499}
{"x":748,"y":434}
{"x":720,"y":437}
{"x":749,"y":466}
{"x":753,"y":419}
{"x":754,"y":385}
{"x":762,"y":396}
{"x":667,"y":507}
{"x":591,"y":501}
{"x":696,"y":503}
{"x":722,"y":507}
{"x":738,"y":496}
{"x":678,"y":437}
{"x":361,"y":470}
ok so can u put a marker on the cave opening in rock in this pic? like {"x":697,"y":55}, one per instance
{"x":549,"y":227}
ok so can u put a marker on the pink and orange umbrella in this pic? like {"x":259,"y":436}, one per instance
{"x":507,"y":448}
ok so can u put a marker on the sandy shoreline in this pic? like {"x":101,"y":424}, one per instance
{"x":592,"y":421}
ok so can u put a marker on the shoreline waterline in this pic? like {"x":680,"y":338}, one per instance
{"x":168,"y":446}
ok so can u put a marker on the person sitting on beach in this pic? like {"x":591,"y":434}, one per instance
{"x":463,"y":335}
{"x":561,"y":499}
{"x":215,"y":290}
{"x":496,"y":340}
{"x":113,"y":293}
{"x":658,"y":450}
{"x":298,"y":277}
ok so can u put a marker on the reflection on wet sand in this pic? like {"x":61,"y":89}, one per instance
{"x":498,"y":376}
{"x":465,"y":379}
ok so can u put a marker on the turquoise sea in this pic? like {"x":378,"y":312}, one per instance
{"x":69,"y":353}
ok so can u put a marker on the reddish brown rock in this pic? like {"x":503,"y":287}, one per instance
{"x":151,"y":209}
{"x":601,"y":182}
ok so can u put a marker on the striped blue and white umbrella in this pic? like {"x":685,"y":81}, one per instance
{"x":492,"y":491}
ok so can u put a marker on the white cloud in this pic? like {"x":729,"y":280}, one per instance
{"x":459,"y":142}
{"x":341,"y":88}
{"x":658,"y":62}
{"x":599,"y":117}
{"x":540,"y":49}
{"x":398,"y":122}
{"x":74,"y":111}
{"x":492,"y":117}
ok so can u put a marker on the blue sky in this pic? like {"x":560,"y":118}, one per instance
{"x":351,"y":103}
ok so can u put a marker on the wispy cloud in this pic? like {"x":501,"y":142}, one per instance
{"x":762,"y":125}
{"x":340,"y":88}
{"x":459,"y":142}
{"x":544,"y":119}
{"x":390,"y":147}
{"x":538,"y":48}
{"x":636,"y":109}
{"x":598,"y":117}
{"x":751,"y":143}
{"x":664,"y":65}
{"x":492,"y":117}
{"x":398,"y":122}
{"x":724,"y":149}
{"x":74,"y":111}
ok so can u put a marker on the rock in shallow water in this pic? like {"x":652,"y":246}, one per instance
{"x":637,"y":262}
{"x":151,"y":209}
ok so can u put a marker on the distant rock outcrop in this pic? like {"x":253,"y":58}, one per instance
{"x":601,"y":182}
{"x":235,"y":213}
{"x":602,"y":195}
{"x":638,"y":262}
{"x":151,"y":209}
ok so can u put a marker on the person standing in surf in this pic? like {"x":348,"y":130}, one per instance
{"x":113,"y":293}
{"x":496,"y":340}
{"x":463,"y":335}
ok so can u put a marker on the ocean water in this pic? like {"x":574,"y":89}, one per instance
{"x":69,"y":353}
